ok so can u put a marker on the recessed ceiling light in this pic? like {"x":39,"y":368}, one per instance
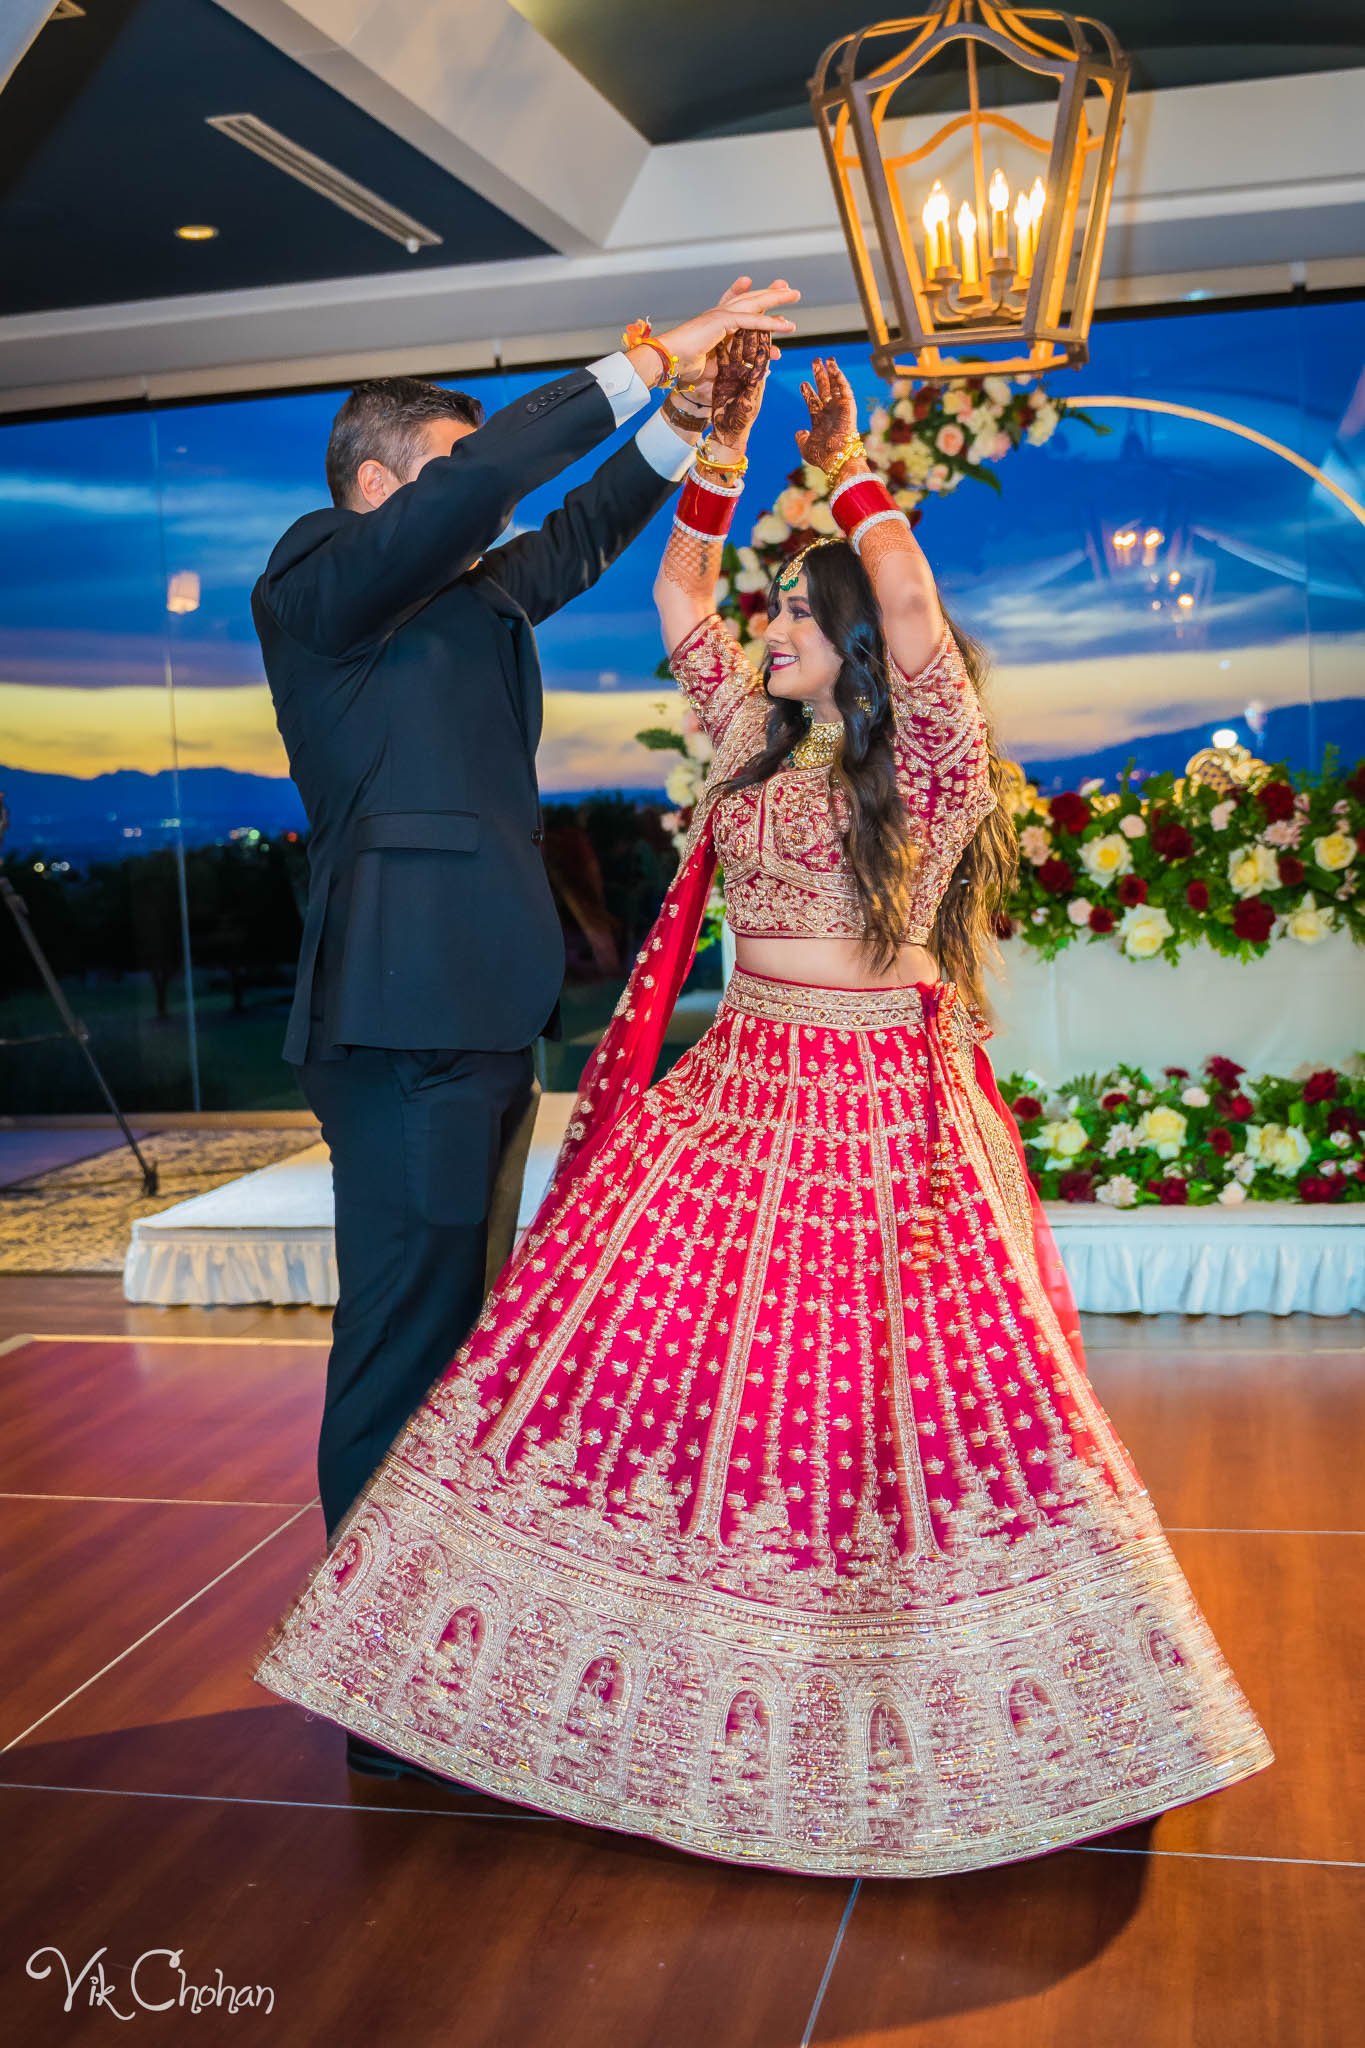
{"x":196,"y":233}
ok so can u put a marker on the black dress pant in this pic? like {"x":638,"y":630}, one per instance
{"x":416,"y":1139}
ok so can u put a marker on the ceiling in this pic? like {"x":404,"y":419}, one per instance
{"x":104,"y":151}
{"x":737,"y":67}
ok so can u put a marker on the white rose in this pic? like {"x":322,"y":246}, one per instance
{"x":1144,"y":930}
{"x":880,"y":419}
{"x":683,"y":784}
{"x":919,"y":461}
{"x":1195,"y":1098}
{"x":699,"y":746}
{"x":1281,"y":1146}
{"x":1232,"y":1194}
{"x":1164,"y":1130}
{"x":1034,"y":843}
{"x":1309,"y":924}
{"x":1118,"y":1192}
{"x":1334,"y":850}
{"x":1078,"y":910}
{"x":1341,"y":1139}
{"x":1107,"y":856}
{"x":1134,"y":826}
{"x":749,"y":580}
{"x":770,"y":531}
{"x":997,"y":389}
{"x":1220,"y":817}
{"x":980,"y":420}
{"x":822,"y":520}
{"x":748,"y":560}
{"x":1252,"y":869}
{"x":1122,"y":1138}
{"x":982,"y":449}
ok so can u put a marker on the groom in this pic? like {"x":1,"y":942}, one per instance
{"x":399,"y":652}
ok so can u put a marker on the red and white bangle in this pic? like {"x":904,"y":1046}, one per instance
{"x":860,"y":504}
{"x":706,"y":509}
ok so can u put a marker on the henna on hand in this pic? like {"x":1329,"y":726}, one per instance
{"x":833,"y":413}
{"x":742,"y":362}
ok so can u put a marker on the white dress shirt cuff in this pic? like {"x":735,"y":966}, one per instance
{"x":663,"y":449}
{"x":625,"y":389}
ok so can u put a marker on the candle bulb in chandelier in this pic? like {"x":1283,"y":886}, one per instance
{"x":999,"y":197}
{"x":1023,"y":239}
{"x":937,"y":255}
{"x":966,"y":228}
{"x":1037,"y":194}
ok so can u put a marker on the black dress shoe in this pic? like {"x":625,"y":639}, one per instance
{"x":369,"y":1761}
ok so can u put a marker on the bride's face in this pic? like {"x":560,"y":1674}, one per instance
{"x":803,"y":665}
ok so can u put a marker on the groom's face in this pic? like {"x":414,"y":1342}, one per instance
{"x":376,"y":481}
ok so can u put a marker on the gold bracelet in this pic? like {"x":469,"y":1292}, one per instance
{"x":852,"y":448}
{"x":721,"y":468}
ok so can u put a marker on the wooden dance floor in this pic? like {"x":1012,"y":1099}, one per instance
{"x":157,"y":1503}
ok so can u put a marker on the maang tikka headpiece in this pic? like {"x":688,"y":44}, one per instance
{"x":790,"y":574}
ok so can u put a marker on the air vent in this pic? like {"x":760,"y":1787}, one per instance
{"x":324,"y":178}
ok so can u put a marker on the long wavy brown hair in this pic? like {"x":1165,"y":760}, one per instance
{"x":879,"y":843}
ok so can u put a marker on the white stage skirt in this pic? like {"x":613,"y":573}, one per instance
{"x":268,"y":1238}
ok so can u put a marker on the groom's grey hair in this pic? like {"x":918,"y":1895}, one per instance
{"x":382,"y":421}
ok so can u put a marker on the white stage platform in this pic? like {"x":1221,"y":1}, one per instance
{"x":268,"y":1238}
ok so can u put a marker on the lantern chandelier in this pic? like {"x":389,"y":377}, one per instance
{"x":988,"y":233}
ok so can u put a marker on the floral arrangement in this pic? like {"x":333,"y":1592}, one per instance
{"x":1155,"y":869}
{"x":1127,"y":1140}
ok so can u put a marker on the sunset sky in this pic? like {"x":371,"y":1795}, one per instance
{"x":95,"y":512}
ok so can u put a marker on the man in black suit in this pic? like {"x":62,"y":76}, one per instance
{"x":406,"y":686}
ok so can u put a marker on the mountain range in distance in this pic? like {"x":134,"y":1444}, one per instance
{"x":127,"y":811}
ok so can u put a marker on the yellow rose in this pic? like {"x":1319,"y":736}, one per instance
{"x":1251,"y":869}
{"x":1282,"y":1146}
{"x":821,"y":519}
{"x":770,"y":532}
{"x":1308,"y":924}
{"x":1144,"y":930}
{"x":1334,"y":851}
{"x":1065,"y":1139}
{"x":1107,"y":856}
{"x":1163,"y":1129}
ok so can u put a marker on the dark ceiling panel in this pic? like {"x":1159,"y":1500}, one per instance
{"x":735,"y":67}
{"x":104,"y":151}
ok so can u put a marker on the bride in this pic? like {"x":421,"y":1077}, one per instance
{"x":768,"y":1509}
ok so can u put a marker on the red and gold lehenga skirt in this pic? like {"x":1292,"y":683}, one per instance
{"x":768,"y":1509}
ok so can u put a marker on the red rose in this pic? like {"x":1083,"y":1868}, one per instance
{"x":1320,"y":1087}
{"x":1221,"y":1070}
{"x":1276,"y":800}
{"x":1056,"y":876}
{"x":1343,"y":1118}
{"x":1253,"y":919}
{"x":1177,"y":1073}
{"x":1197,"y":895}
{"x":1172,"y":842}
{"x":1070,"y":813}
{"x":900,"y":431}
{"x":1132,"y":889}
{"x":1220,"y":1141}
{"x":1360,"y":842}
{"x":1115,"y":1099}
{"x":1316,"y":1187}
{"x":1101,"y":918}
{"x":752,"y":601}
{"x":1076,"y":1187}
{"x":1355,"y":782}
{"x":1292,"y":870}
{"x":1004,"y":925}
{"x":1027,"y":1109}
{"x":1171,"y":1192}
{"x":1237,"y":1108}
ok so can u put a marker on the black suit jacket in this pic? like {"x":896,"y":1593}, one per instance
{"x":407,"y":691}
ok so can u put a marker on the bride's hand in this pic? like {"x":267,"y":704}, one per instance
{"x":833,"y":413}
{"x":742,"y":363}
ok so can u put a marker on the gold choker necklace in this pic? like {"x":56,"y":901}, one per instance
{"x":817,"y":746}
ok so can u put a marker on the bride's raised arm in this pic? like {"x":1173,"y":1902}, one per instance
{"x":707,"y":663}
{"x":907,"y":597}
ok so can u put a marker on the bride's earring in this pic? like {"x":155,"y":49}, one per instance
{"x":808,"y":714}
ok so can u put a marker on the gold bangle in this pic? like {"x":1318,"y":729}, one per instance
{"x":721,"y":468}
{"x":852,"y":448}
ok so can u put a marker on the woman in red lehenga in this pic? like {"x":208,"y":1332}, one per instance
{"x":768,"y":1509}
